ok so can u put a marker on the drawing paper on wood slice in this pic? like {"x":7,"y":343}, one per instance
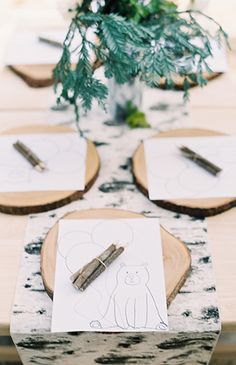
{"x":198,"y":207}
{"x":26,"y":202}
{"x":177,"y":258}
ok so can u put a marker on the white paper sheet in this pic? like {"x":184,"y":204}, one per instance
{"x":172,"y":176}
{"x":63,"y":153}
{"x":129,"y":295}
{"x":24,"y":48}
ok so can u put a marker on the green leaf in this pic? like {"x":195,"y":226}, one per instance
{"x":137,"y":120}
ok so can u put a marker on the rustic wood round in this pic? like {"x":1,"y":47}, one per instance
{"x":35,"y":75}
{"x":195,"y":207}
{"x":33,"y":202}
{"x":42,"y":76}
{"x":177,"y":258}
{"x":179,"y":81}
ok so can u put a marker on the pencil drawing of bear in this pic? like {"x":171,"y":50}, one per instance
{"x":131,"y":304}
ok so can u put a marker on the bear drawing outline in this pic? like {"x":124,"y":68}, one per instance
{"x":131,"y":304}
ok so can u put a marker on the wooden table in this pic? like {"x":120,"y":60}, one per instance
{"x":213,"y":107}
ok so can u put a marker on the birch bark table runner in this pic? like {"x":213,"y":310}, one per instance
{"x":193,"y":316}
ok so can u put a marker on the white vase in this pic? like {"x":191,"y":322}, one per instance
{"x":122,"y":97}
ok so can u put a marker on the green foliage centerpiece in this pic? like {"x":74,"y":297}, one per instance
{"x":150,"y":40}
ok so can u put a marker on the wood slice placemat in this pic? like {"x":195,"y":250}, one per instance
{"x":42,"y":75}
{"x":177,"y":258}
{"x":35,"y":75}
{"x":201,"y":208}
{"x":179,"y":81}
{"x":39,"y":201}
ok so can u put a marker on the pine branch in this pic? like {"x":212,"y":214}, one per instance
{"x":153,"y":41}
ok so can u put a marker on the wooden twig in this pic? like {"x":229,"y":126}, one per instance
{"x":88,"y":273}
{"x":200,"y":160}
{"x":51,"y":42}
{"x":30,"y":156}
{"x":96,"y":64}
{"x":82,"y":277}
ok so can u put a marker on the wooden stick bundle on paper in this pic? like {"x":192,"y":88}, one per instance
{"x":51,"y":42}
{"x":200,"y":160}
{"x":30,"y":156}
{"x":88,"y":273}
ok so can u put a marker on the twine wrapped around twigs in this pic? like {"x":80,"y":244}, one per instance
{"x":88,"y":273}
